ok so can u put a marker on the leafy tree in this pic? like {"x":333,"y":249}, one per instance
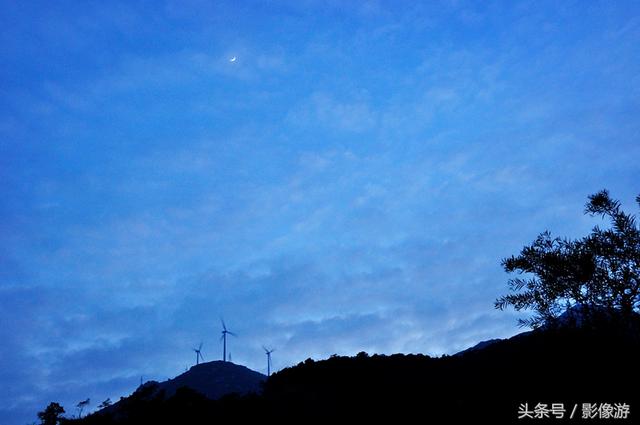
{"x":597,"y":273}
{"x":51,"y":414}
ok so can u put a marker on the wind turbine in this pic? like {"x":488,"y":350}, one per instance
{"x":199,"y":355}
{"x":223,"y":338}
{"x":268,"y":353}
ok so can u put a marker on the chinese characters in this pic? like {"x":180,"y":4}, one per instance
{"x":577,"y":410}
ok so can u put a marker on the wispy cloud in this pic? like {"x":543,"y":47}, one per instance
{"x":322,"y":110}
{"x":349,"y":183}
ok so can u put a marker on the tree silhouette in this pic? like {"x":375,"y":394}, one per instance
{"x":597,"y":273}
{"x":81,"y":405}
{"x":51,"y":414}
{"x":105,"y":404}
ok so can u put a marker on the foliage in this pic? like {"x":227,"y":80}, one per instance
{"x":599,"y":272}
{"x":51,"y":415}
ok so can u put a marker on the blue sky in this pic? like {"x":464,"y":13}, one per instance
{"x":349,"y":183}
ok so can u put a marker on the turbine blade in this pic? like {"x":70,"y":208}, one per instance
{"x":223,"y":324}
{"x":200,"y":347}
{"x":231,"y":333}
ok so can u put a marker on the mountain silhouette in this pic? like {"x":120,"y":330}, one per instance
{"x":566,"y":366}
{"x":216,"y":379}
{"x":209,"y":380}
{"x":479,"y":346}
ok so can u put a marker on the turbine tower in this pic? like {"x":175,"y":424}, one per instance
{"x":268,"y":353}
{"x":199,"y":355}
{"x":223,"y":338}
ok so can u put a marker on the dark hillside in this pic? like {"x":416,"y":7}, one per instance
{"x":565,"y":365}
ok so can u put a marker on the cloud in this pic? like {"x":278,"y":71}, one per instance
{"x":322,"y":110}
{"x":343,"y":189}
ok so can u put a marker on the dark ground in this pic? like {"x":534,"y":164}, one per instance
{"x":565,"y":365}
